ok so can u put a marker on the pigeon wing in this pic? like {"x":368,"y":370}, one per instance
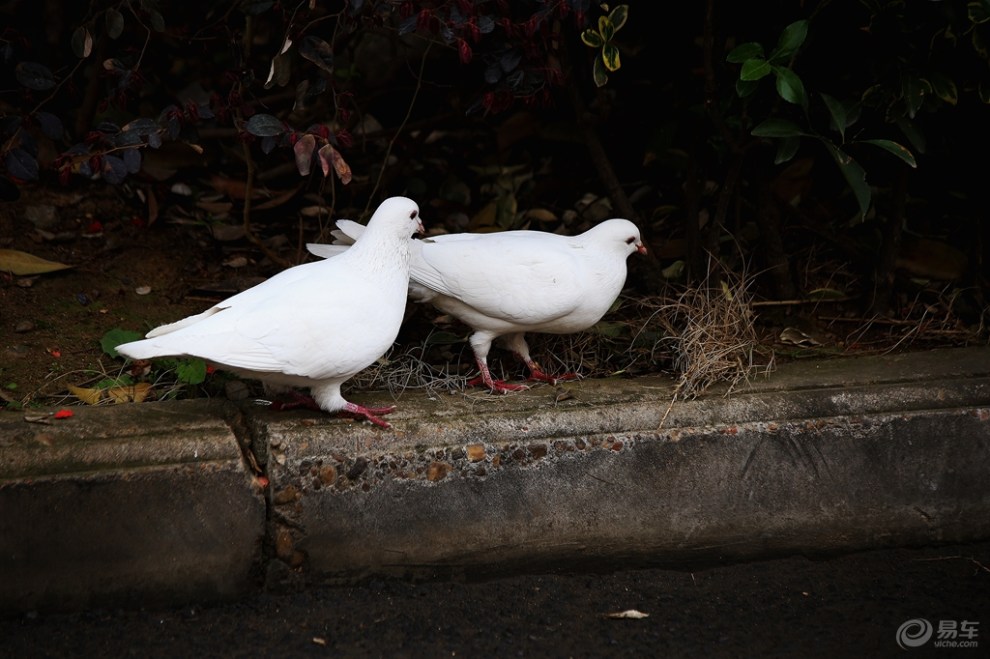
{"x":519,"y":276}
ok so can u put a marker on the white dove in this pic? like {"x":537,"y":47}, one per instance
{"x":509,"y":283}
{"x":314,"y":325}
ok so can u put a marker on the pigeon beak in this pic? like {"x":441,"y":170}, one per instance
{"x":641,"y":248}
{"x":420,"y":229}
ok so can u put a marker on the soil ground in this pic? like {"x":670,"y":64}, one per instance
{"x":843,"y":606}
{"x":128,"y":275}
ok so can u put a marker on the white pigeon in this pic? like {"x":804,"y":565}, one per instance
{"x":314,"y":325}
{"x":505,"y":284}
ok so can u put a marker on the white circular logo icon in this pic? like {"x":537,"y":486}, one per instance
{"x":914,"y":633}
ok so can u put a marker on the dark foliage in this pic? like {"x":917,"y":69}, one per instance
{"x":797,"y":129}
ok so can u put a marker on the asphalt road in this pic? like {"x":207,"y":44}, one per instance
{"x":851,"y":605}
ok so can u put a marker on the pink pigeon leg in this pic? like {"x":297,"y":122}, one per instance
{"x":369,"y":413}
{"x":481,"y":343}
{"x":517,"y":344}
{"x":537,"y":373}
{"x":302,"y":401}
{"x":496,"y":386}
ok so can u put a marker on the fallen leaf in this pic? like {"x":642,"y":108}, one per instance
{"x":629,"y":614}
{"x":236,"y":262}
{"x":129,"y":394}
{"x":35,"y":417}
{"x":22,"y":263}
{"x":278,"y":199}
{"x":215,"y":207}
{"x":314,"y":211}
{"x":541,"y":215}
{"x":86,"y":394}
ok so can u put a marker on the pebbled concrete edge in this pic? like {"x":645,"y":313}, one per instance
{"x":191,"y":501}
{"x":132,"y":506}
{"x":852,"y":454}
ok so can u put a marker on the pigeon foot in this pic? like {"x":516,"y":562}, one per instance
{"x":369,"y":413}
{"x":551,"y":379}
{"x":496,"y":386}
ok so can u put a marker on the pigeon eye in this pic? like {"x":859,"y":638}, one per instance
{"x":630,"y":240}
{"x":412,"y":215}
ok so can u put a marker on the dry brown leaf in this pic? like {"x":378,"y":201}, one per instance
{"x":233,"y":188}
{"x":331,"y":156}
{"x":484,"y":218}
{"x":129,"y":394}
{"x":215,"y":207}
{"x":86,"y":394}
{"x":541,"y":215}
{"x":278,"y":199}
{"x":152,"y":206}
{"x":21,"y":263}
{"x":314,"y":211}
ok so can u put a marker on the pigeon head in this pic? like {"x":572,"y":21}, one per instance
{"x":400,"y":214}
{"x":622,"y":234}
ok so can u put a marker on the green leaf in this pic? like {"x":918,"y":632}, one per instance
{"x":778,"y":128}
{"x":746,"y":88}
{"x":605,"y":28}
{"x":978,"y":12}
{"x":116,"y":337}
{"x":34,"y":76}
{"x":81,"y":42}
{"x":787,"y":148}
{"x":592,"y":39}
{"x":915,"y":136}
{"x":264,"y":125}
{"x":443,"y":338}
{"x":190,"y":371}
{"x":854,"y":174}
{"x":618,"y":16}
{"x":840,"y":115}
{"x":745,"y":51}
{"x":610,"y":56}
{"x":898,"y":150}
{"x":610,"y":329}
{"x":914,"y":90}
{"x":156,"y":20}
{"x":944,"y":87}
{"x":790,"y":39}
{"x":115,"y":23}
{"x":790,"y":87}
{"x":598,"y":73}
{"x":754,"y":69}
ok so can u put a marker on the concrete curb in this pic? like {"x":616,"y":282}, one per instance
{"x":175,"y":502}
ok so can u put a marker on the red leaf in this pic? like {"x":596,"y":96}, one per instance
{"x":304,"y":153}
{"x":464,"y":51}
{"x":331,"y":156}
{"x":64,"y":414}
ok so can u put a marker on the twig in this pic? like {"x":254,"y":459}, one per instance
{"x":246,"y":214}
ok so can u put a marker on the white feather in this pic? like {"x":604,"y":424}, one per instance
{"x":314,"y":325}
{"x":509,"y":283}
